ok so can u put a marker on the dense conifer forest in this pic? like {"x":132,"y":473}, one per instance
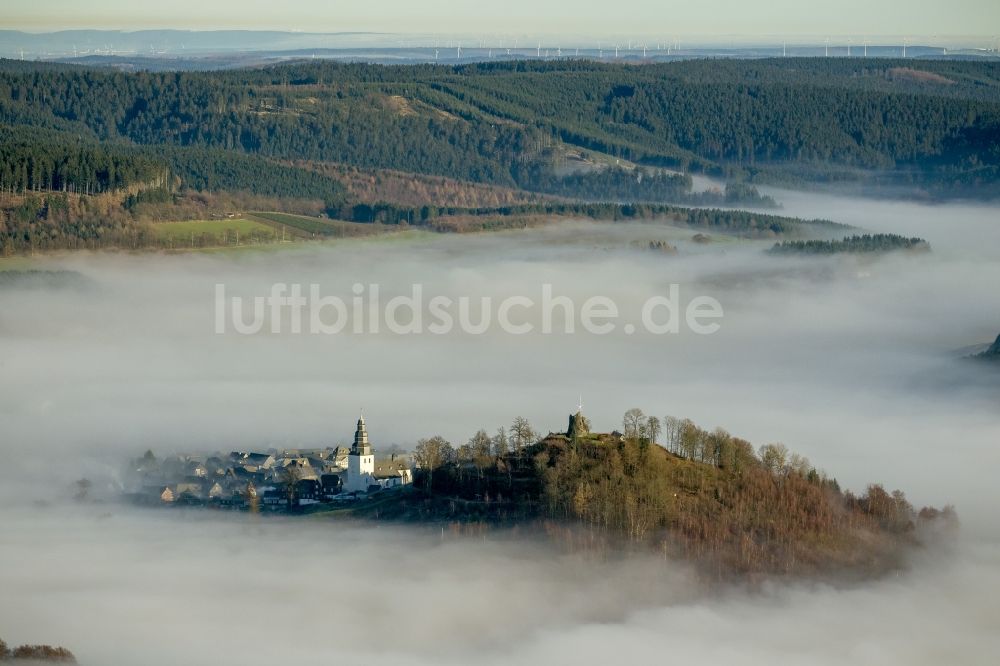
{"x":577,"y":130}
{"x":857,"y":244}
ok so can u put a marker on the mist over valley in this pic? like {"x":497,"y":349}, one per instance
{"x":523,"y":358}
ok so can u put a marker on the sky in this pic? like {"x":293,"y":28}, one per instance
{"x":580,"y":17}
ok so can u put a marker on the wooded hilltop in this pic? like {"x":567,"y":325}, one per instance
{"x":708,"y":497}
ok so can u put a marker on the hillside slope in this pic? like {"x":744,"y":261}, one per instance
{"x":506,"y":123}
{"x":704,"y":496}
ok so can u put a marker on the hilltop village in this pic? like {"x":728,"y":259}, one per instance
{"x":707,"y":496}
{"x":273,"y":480}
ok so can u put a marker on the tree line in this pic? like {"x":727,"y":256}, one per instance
{"x":856,"y":244}
{"x":638,"y":185}
{"x":749,"y":223}
{"x":36,"y":654}
{"x":58,"y":220}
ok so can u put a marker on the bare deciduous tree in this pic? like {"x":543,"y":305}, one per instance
{"x":482,"y":456}
{"x":292,"y":475}
{"x":430,"y":454}
{"x":672,"y":433}
{"x":774,"y":457}
{"x":521,"y":433}
{"x":632,"y":423}
{"x":500,"y":443}
{"x":653,"y":429}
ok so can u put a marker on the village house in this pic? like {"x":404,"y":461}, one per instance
{"x":308,"y":491}
{"x":332,"y":485}
{"x":301,"y":468}
{"x":340,"y":456}
{"x":252,"y":462}
{"x":216,"y":492}
{"x":392,"y":472}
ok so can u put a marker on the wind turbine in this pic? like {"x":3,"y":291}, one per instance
{"x":783,"y":50}
{"x":826,"y":51}
{"x":866,"y":47}
{"x":904,"y":47}
{"x":848,"y":48}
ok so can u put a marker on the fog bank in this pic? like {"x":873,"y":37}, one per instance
{"x":162,"y":587}
{"x":848,"y":361}
{"x":853,"y":362}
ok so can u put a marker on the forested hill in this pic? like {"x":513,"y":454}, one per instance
{"x":931,"y":124}
{"x":668,"y":484}
{"x":993,"y":352}
{"x":89,"y":157}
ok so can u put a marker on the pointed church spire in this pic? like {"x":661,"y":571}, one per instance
{"x":361,"y":446}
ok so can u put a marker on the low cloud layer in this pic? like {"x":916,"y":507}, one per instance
{"x":166,"y":587}
{"x":849,"y":361}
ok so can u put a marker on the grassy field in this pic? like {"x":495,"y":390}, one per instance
{"x":17,"y":263}
{"x":314,"y":226}
{"x":266,"y":231}
{"x":213,"y":232}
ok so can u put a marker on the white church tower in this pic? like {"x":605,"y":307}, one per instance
{"x":360,"y":461}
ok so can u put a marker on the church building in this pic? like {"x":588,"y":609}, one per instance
{"x":360,"y":462}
